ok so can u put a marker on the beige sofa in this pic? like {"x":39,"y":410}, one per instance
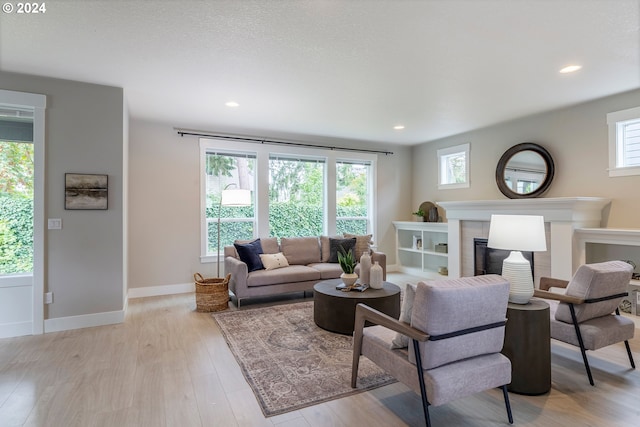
{"x":308,"y":264}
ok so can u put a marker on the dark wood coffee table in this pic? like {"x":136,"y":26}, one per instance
{"x":335,"y":310}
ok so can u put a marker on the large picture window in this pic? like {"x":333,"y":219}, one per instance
{"x":304,"y":192}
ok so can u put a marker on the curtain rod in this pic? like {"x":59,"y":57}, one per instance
{"x":183,"y":132}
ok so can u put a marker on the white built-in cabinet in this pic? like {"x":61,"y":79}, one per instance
{"x":416,"y":248}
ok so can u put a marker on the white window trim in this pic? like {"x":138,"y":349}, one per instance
{"x":451,"y":150}
{"x":612,"y":121}
{"x":262,"y":151}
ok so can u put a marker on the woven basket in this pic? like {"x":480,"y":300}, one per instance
{"x":211,"y":294}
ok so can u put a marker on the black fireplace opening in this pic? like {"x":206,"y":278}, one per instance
{"x":489,"y":260}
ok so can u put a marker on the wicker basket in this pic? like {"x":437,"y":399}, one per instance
{"x":211,"y":294}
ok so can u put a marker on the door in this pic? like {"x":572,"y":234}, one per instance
{"x":21,"y":213}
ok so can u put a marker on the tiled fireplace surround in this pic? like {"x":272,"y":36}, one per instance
{"x":562,"y":217}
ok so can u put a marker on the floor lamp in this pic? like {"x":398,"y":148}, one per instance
{"x":517,"y":233}
{"x":232,"y":198}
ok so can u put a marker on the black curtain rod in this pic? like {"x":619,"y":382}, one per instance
{"x":267,"y":141}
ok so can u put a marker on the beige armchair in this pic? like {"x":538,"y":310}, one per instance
{"x":583,"y":314}
{"x":456,"y":332}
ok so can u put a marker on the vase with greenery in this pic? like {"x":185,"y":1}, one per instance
{"x":347,"y":261}
{"x":418,"y":215}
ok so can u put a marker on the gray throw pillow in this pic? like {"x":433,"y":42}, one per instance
{"x":401,"y":340}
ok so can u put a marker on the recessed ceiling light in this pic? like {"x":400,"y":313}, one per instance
{"x":232,"y":104}
{"x":399,"y":127}
{"x":570,"y":69}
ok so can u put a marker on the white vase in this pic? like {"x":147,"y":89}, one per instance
{"x":349,"y":278}
{"x":365,"y":268}
{"x":375,"y":276}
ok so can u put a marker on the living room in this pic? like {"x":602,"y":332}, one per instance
{"x":148,"y":242}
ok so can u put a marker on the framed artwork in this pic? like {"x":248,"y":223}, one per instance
{"x":85,"y":191}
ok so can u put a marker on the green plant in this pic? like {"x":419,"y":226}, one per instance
{"x":419,"y":212}
{"x":346,"y":260}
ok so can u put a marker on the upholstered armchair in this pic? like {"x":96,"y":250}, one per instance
{"x":455,"y":330}
{"x":582,"y":309}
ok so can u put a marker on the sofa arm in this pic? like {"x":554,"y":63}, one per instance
{"x":239,"y":273}
{"x":381,"y":257}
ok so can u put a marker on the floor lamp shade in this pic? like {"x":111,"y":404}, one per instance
{"x":234,"y":197}
{"x":517,"y":233}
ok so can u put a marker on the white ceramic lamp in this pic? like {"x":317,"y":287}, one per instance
{"x":517,"y":233}
{"x":231,"y":197}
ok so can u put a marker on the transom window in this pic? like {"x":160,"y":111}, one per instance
{"x":624,"y":142}
{"x":453,"y":167}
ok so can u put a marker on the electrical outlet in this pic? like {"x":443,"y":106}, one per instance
{"x":48,"y":298}
{"x":54,"y":223}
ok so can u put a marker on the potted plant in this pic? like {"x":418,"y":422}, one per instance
{"x":418,"y":215}
{"x":347,"y":262}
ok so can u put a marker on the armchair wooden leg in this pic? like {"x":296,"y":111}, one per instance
{"x":357,"y":347}
{"x":423,"y":388}
{"x":507,"y":404}
{"x":582,"y":349}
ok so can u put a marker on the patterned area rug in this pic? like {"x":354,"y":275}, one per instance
{"x":289,"y":362}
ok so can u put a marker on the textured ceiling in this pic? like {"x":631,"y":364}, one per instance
{"x":342,"y":69}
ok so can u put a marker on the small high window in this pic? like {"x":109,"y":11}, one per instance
{"x":453,"y":167}
{"x":624,"y":142}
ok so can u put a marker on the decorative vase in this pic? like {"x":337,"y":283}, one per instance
{"x":433,"y":214}
{"x":349,"y":278}
{"x":365,"y":268}
{"x":375,"y":276}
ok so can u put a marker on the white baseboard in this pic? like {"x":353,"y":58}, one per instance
{"x":83,"y":321}
{"x":154,"y":291}
{"x":17,"y":329}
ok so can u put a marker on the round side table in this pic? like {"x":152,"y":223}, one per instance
{"x":335,"y":310}
{"x":527,"y":343}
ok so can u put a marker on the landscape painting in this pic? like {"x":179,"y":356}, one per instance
{"x":85,"y":191}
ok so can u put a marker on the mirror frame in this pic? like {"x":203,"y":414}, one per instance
{"x":502,"y":164}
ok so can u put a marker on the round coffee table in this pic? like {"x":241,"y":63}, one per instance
{"x":335,"y":310}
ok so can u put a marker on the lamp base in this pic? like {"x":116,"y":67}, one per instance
{"x":517,"y":271}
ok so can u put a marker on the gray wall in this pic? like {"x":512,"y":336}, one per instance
{"x":164,"y":202}
{"x":85,"y":127}
{"x":577,"y":139}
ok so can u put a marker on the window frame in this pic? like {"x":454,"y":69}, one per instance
{"x":442,"y":153}
{"x":370,"y":191}
{"x":614,"y":122}
{"x":261,"y":192}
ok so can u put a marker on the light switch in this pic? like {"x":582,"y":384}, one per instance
{"x":55,"y":223}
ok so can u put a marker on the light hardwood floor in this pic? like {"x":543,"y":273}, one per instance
{"x":168,"y":365}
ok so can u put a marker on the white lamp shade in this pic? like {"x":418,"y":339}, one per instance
{"x":517,"y":233}
{"x":236,"y":197}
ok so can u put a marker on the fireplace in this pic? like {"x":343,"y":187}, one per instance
{"x":489,"y":261}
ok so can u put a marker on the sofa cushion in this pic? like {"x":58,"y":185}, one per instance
{"x":293,"y":273}
{"x":363,"y":243}
{"x":249,"y":253}
{"x":335,"y":245}
{"x":300,"y":250}
{"x":274,"y":261}
{"x":324,"y":247}
{"x":327,"y":270}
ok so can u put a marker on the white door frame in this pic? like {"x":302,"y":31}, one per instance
{"x":39,"y":104}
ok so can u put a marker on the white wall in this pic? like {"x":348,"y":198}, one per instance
{"x":84,"y":134}
{"x":577,"y":139}
{"x":164,"y":206}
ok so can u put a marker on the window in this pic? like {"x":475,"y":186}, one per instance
{"x":305,"y":192}
{"x":353,"y":191}
{"x":227,"y":170}
{"x":453,"y":167}
{"x":296,"y":195}
{"x":624,"y":142}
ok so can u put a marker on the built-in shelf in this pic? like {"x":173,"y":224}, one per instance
{"x":416,"y":243}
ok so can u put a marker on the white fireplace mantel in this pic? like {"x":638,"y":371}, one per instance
{"x":564,"y":215}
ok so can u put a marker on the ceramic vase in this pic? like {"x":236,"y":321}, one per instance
{"x":375,"y":276}
{"x":365,"y":268}
{"x":349,"y":279}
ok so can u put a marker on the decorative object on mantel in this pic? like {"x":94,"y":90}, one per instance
{"x":418,"y":216}
{"x":347,"y":262}
{"x":375,"y":278}
{"x":517,"y":233}
{"x":524,"y":171}
{"x":430,"y":210}
{"x":86,"y":191}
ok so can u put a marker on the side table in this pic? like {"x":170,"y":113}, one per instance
{"x":527,"y":343}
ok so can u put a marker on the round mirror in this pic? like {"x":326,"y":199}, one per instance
{"x":524,"y":170}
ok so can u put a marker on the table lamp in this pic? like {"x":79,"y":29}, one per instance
{"x":517,"y":233}
{"x":232,"y":198}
